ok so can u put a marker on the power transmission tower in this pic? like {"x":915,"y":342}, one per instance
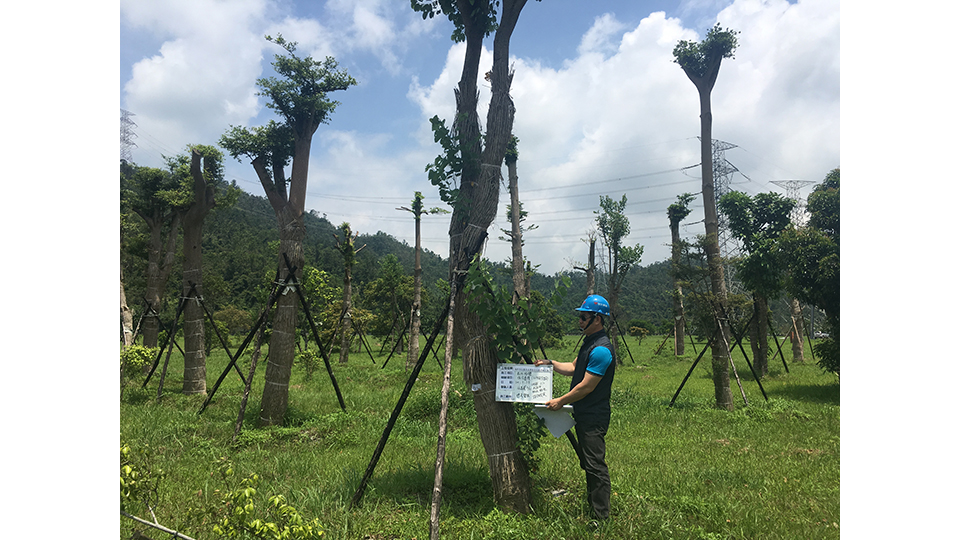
{"x":798,"y":216}
{"x":126,"y":135}
{"x":730,"y":247}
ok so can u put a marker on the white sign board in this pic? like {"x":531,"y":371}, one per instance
{"x":524,"y":383}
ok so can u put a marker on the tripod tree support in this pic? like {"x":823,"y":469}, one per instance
{"x":747,"y":358}
{"x":773,"y":331}
{"x":248,"y":383}
{"x":274,"y":296}
{"x":170,"y":336}
{"x":223,"y":342}
{"x":316,"y":335}
{"x":695,"y":362}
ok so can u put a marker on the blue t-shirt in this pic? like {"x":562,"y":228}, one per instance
{"x":599,"y":361}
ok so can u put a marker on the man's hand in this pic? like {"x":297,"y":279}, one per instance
{"x":554,"y":404}
{"x":542,"y":362}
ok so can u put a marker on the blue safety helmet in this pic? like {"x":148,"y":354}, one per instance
{"x":596,"y":304}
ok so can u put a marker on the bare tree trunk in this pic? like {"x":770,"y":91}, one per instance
{"x":413,"y":351}
{"x":273,"y":405}
{"x":194,"y":354}
{"x":796,"y":331}
{"x":195,"y":359}
{"x":679,"y":321}
{"x":758,"y":334}
{"x":516,"y":240}
{"x":161,"y":253}
{"x":468,"y":225}
{"x":592,"y":267}
{"x":719,"y":352}
{"x":347,"y":327}
{"x":126,"y":316}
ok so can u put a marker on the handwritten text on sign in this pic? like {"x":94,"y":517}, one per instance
{"x":524,"y":383}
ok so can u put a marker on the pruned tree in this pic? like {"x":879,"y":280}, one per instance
{"x":701,"y":63}
{"x":516,"y":215}
{"x":348,"y":249}
{"x":417,"y":209}
{"x":475,"y":160}
{"x":591,"y":268}
{"x":613,"y":227}
{"x":198,"y":175}
{"x":155,"y":196}
{"x":676,"y":213}
{"x":300,"y":98}
{"x":758,"y":222}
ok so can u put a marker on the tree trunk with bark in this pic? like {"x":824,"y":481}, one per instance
{"x":516,"y":239}
{"x":591,"y":267}
{"x":679,"y":319}
{"x":126,"y":316}
{"x":796,"y":331}
{"x":161,"y":253}
{"x":195,"y":360}
{"x":758,"y":334}
{"x":289,"y":211}
{"x":347,"y":326}
{"x":719,"y":350}
{"x":413,"y":350}
{"x":479,"y":185}
{"x":283,"y":346}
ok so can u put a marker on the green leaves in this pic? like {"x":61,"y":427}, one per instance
{"x":515,"y":325}
{"x":299,"y":96}
{"x":698,"y":58}
{"x":447,"y":168}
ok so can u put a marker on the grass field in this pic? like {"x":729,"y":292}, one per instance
{"x":770,"y":469}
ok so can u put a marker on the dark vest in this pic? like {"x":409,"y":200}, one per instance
{"x":595,"y":407}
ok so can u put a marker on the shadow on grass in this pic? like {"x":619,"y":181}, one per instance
{"x":467,"y":491}
{"x":813,"y":393}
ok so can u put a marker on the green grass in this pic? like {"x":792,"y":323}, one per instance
{"x":770,"y":469}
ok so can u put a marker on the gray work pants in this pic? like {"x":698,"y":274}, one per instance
{"x":594,"y":449}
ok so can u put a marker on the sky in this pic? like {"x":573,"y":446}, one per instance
{"x":601,"y":108}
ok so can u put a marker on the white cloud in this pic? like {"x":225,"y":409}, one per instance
{"x":623,"y":109}
{"x":620,"y":108}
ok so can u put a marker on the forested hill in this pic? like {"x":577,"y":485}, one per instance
{"x":240,"y":252}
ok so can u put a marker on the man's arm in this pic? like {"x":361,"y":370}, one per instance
{"x":563,"y":368}
{"x":577,"y":393}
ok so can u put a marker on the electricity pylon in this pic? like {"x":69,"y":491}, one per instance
{"x":729,"y":247}
{"x":126,"y":135}
{"x":798,"y":216}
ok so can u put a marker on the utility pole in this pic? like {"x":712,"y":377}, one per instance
{"x":126,"y":135}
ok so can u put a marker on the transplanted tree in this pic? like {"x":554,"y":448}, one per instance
{"x":156,"y":196}
{"x":475,"y":161}
{"x":417,"y":209}
{"x":813,"y":260}
{"x":348,"y":250}
{"x":701,"y":63}
{"x":676,"y":213}
{"x":516,"y":215}
{"x":300,"y":98}
{"x":758,"y":222}
{"x":613,"y":226}
{"x":201,"y":175}
{"x":591,"y":268}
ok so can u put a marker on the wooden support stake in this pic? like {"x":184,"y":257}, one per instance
{"x":358,"y":495}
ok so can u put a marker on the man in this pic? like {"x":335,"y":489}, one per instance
{"x":592,"y":376}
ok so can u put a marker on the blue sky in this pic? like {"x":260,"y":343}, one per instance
{"x":601,"y":107}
